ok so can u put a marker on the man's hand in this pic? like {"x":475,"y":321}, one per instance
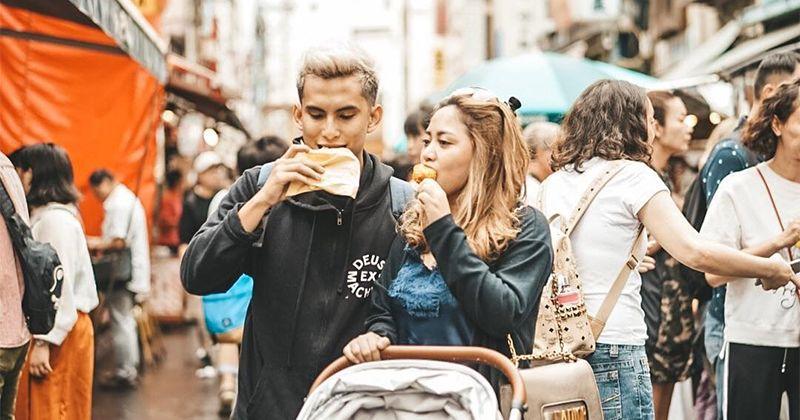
{"x":433,"y":199}
{"x":365,"y":348}
{"x":40,"y":360}
{"x":290,"y":167}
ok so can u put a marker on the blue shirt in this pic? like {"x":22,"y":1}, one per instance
{"x":425,"y":311}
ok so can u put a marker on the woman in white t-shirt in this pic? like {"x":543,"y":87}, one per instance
{"x":613,"y":121}
{"x":758,"y":210}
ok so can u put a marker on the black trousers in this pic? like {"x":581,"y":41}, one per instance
{"x":756,"y":382}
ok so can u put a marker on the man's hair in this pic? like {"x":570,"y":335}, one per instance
{"x":259,"y":152}
{"x":416,"y":122}
{"x":778,"y":63}
{"x":99,"y":175}
{"x":53,"y":179}
{"x":340,"y":61}
{"x":540,"y":135}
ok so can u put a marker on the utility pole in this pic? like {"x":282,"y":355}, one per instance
{"x":489,"y":5}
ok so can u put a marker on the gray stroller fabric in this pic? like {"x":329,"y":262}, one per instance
{"x":403,"y":389}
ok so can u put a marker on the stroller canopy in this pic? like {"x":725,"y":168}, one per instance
{"x":403,"y":389}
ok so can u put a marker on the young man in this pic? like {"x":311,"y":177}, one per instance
{"x":14,"y":334}
{"x":539,"y":136}
{"x":313,"y":257}
{"x":124,"y":225}
{"x":731,"y":156}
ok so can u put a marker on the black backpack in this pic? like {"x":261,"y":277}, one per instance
{"x":41,"y":269}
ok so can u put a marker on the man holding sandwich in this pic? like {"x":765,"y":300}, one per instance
{"x":313,"y":237}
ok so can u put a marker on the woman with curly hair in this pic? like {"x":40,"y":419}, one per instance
{"x":757,"y":210}
{"x":471,"y":260}
{"x":612,"y":125}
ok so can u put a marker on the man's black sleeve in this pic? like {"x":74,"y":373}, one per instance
{"x":500,"y":299}
{"x":216,"y":255}
{"x":380,"y":319}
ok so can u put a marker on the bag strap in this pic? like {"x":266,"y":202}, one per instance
{"x":400,"y":193}
{"x":263,"y":174}
{"x":6,"y":204}
{"x":598,"y":322}
{"x":775,"y":207}
{"x":591,"y":192}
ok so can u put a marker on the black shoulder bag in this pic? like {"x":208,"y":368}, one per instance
{"x":41,"y":269}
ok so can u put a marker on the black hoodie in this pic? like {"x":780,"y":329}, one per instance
{"x":312,"y":280}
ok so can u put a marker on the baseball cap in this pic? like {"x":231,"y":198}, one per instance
{"x":207,"y":160}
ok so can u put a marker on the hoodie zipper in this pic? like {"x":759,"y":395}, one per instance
{"x":783,"y":365}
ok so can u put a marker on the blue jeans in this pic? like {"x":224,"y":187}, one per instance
{"x":623,"y":378}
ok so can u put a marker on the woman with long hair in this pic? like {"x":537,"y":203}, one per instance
{"x":757,"y":210}
{"x":666,"y":298}
{"x":56,"y":382}
{"x":471,"y":260}
{"x":610,"y":124}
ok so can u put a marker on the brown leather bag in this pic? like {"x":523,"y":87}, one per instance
{"x":560,"y":385}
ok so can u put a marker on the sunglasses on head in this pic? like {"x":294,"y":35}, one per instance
{"x":485,"y":95}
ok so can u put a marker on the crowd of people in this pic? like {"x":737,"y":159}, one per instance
{"x":459,"y":257}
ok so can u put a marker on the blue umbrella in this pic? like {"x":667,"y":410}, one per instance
{"x":546,"y":83}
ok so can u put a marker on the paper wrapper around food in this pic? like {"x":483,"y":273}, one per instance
{"x":341,"y":177}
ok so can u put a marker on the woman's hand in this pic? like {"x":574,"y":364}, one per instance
{"x":434,"y":201}
{"x":648,"y":263}
{"x":791,"y":236}
{"x":365,"y":348}
{"x":783,"y":276}
{"x":40,"y":360}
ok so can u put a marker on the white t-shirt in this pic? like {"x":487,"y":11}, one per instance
{"x":741,"y":216}
{"x":118,"y":207}
{"x":603,"y":239}
{"x":532,"y":186}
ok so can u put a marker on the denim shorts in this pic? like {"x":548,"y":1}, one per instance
{"x":623,"y":378}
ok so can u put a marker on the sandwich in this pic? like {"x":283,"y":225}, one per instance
{"x":342,"y":173}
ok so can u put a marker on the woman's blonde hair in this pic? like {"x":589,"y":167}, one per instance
{"x":489,"y":203}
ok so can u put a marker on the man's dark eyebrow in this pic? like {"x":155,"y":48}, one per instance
{"x":348,"y":108}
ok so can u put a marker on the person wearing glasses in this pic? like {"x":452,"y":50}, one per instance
{"x":471,"y":260}
{"x":756,"y":210}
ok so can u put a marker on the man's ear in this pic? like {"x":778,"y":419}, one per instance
{"x":375,"y":117}
{"x":297,"y":116}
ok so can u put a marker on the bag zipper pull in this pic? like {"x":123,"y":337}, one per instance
{"x":338,"y":218}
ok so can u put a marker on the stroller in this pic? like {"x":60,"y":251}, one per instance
{"x":412,"y":382}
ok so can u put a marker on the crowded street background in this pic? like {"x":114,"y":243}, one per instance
{"x":539,"y":209}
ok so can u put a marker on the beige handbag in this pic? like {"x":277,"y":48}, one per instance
{"x":561,"y":386}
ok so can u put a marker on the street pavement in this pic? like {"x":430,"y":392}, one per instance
{"x":169,"y":390}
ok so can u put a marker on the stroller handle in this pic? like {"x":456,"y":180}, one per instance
{"x":446,"y":354}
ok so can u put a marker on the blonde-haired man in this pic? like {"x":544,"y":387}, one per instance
{"x":313,"y":257}
{"x":540,"y":137}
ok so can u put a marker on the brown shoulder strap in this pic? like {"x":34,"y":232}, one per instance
{"x":775,"y":208}
{"x":591,"y":192}
{"x":598,"y":322}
